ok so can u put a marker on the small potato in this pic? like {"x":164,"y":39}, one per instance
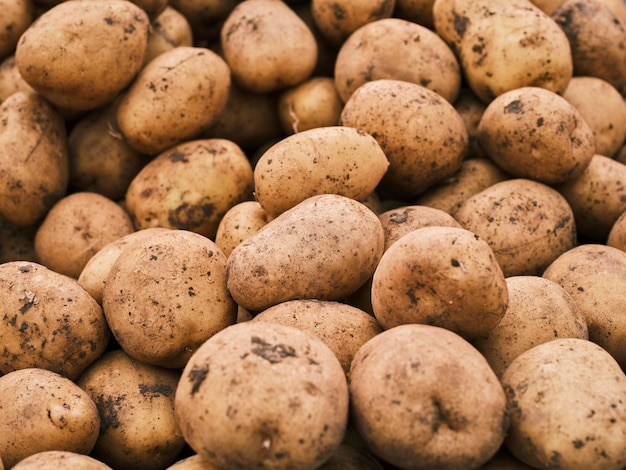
{"x":62,"y":56}
{"x":17,"y":16}
{"x":49,"y":321}
{"x":539,"y":310}
{"x":332,"y":160}
{"x":442,"y":276}
{"x":313,"y":103}
{"x":373,"y":51}
{"x":222,"y":399}
{"x":169,"y":29}
{"x":417,"y":11}
{"x":534,"y":133}
{"x":423,"y":397}
{"x":323,"y":248}
{"x":193,"y":462}
{"x":34,"y":161}
{"x":597,"y":197}
{"x":55,"y":459}
{"x":165,"y":295}
{"x":190,"y":186}
{"x":149,"y":114}
{"x":76,"y":228}
{"x":239,"y":223}
{"x":567,"y":400}
{"x":135,"y":401}
{"x":267,"y":46}
{"x":206,"y":17}
{"x":617,"y":235}
{"x":527,"y":224}
{"x":595,"y":275}
{"x":422,"y":135}
{"x":41,"y":410}
{"x":471,"y":110}
{"x":10,"y":79}
{"x":153,"y":8}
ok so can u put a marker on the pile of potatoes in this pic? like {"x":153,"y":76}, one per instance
{"x":266,"y":234}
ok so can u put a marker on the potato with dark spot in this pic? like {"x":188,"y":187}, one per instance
{"x":169,"y":29}
{"x":263,"y":395}
{"x":423,"y":397}
{"x":55,"y":459}
{"x":17,"y":16}
{"x":567,"y":401}
{"x":135,"y":401}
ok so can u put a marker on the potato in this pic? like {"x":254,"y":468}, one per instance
{"x":442,"y":276}
{"x":539,"y":310}
{"x":568,"y":406}
{"x":471,"y":109}
{"x":534,"y":133}
{"x":136,"y":405}
{"x":190,"y":186}
{"x":239,"y":223}
{"x":289,"y":258}
{"x":333,"y":160}
{"x":17,"y":16}
{"x":504,"y":460}
{"x":527,"y":224}
{"x":49,"y":321}
{"x":55,"y":459}
{"x":605,"y":113}
{"x":222,"y":398}
{"x":417,"y":11}
{"x":34,"y":161}
{"x":594,"y":275}
{"x":41,"y":410}
{"x":343,"y":328}
{"x":76,"y":228}
{"x":372,"y":53}
{"x":504,"y":45}
{"x":193,"y":462}
{"x":152,"y":7}
{"x":406,"y":119}
{"x":61,"y":54}
{"x":474,"y":175}
{"x":165,"y":295}
{"x":267,"y":46}
{"x":313,"y":103}
{"x":597,"y":197}
{"x":17,"y":243}
{"x":149,"y":114}
{"x":337,"y":20}
{"x":591,"y":26}
{"x":169,"y":29}
{"x":617,"y":235}
{"x":350,"y":458}
{"x":206,"y":17}
{"x":10,"y":79}
{"x":406,"y":399}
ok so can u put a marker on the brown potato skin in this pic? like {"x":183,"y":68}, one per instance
{"x":17,"y":16}
{"x":169,"y":29}
{"x":55,"y":459}
{"x":617,"y":235}
{"x":239,"y":223}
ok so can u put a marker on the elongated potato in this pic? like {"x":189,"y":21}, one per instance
{"x":332,"y":160}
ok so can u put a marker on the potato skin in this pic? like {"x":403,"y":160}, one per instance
{"x":54,"y":459}
{"x":289,"y":258}
{"x":617,"y":235}
{"x":239,"y":223}
{"x":17,"y":16}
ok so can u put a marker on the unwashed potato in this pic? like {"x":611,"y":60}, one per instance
{"x":568,"y":406}
{"x":594,"y":275}
{"x":41,"y":410}
{"x":34,"y":161}
{"x":184,"y":301}
{"x":239,"y":223}
{"x":138,"y":430}
{"x":152,"y":7}
{"x":532,"y":132}
{"x":422,"y":135}
{"x":193,"y":462}
{"x":417,"y":11}
{"x":169,"y":29}
{"x":17,"y":243}
{"x":206,"y":17}
{"x":190,"y":186}
{"x":222,"y":398}
{"x":347,"y":457}
{"x":539,"y":310}
{"x":49,"y":321}
{"x":471,"y":109}
{"x":10,"y":79}
{"x":527,"y":224}
{"x":289,"y":258}
{"x":76,"y":228}
{"x":17,"y":16}
{"x":442,"y":276}
{"x":597,"y":197}
{"x":372,"y":52}
{"x":62,"y":56}
{"x":423,"y":397}
{"x":55,"y":459}
{"x":325,"y":160}
{"x":617,"y":235}
{"x":267,"y":46}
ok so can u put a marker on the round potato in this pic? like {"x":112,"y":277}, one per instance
{"x":442,"y":276}
{"x":239,"y":223}
{"x":539,"y":310}
{"x":417,"y":11}
{"x":55,"y":459}
{"x":617,"y":235}
{"x":17,"y":16}
{"x":221,"y":402}
{"x":289,"y":258}
{"x":41,"y":410}
{"x":61,"y":54}
{"x":567,"y":399}
{"x":152,"y":7}
{"x":534,"y":133}
{"x":193,"y":462}
{"x":527,"y":224}
{"x":149,"y":114}
{"x":169,"y":29}
{"x":422,"y":135}
{"x":423,"y":397}
{"x":326,"y":160}
{"x":10,"y":79}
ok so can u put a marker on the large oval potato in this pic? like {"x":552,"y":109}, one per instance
{"x":332,"y":160}
{"x":323,"y":248}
